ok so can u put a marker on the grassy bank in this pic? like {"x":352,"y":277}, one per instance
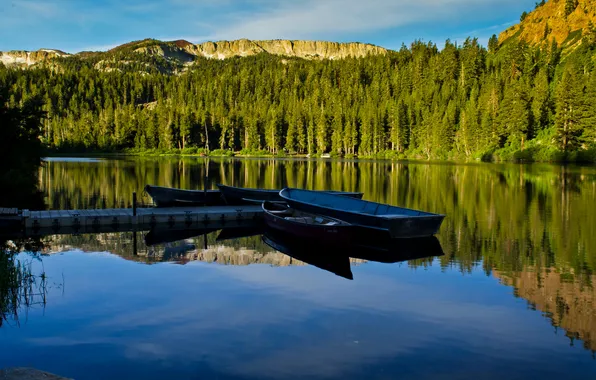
{"x":533,"y":152}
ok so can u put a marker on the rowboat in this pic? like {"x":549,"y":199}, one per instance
{"x":171,"y":197}
{"x":396,"y":222}
{"x":322,"y":258}
{"x":241,"y":195}
{"x":306,"y":225}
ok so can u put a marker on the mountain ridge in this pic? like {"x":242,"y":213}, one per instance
{"x":187,"y":52}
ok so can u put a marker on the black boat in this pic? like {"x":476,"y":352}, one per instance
{"x":171,"y":197}
{"x":241,"y":195}
{"x":306,"y":225}
{"x":396,"y":222}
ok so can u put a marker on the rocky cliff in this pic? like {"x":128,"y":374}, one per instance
{"x":185,"y":52}
{"x":28,"y":58}
{"x":565,"y":21}
{"x":289,"y":48}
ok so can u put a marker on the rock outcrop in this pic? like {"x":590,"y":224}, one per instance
{"x":288,"y":48}
{"x":27,"y":374}
{"x":557,"y":20}
{"x":184,"y":52}
{"x":28,"y":58}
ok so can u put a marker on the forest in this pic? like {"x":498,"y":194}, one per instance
{"x":509,"y":101}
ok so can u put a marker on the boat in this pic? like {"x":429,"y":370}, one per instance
{"x":241,"y":195}
{"x":171,"y":197}
{"x":336,"y":263}
{"x":391,"y":221}
{"x":306,"y":225}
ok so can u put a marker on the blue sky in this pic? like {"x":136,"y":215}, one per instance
{"x":76,"y":25}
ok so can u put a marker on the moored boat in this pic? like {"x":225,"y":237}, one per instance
{"x":396,"y":222}
{"x":242,"y":195}
{"x":171,"y":197}
{"x":302,"y":224}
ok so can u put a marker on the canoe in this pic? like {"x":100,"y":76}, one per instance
{"x":327,"y":260}
{"x":396,"y":222}
{"x":241,"y":195}
{"x":306,"y":225}
{"x":171,"y":197}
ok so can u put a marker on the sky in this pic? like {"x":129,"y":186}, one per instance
{"x":77,"y":25}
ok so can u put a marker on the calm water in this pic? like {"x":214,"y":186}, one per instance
{"x":512,"y":297}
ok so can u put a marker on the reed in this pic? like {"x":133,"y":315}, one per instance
{"x":20,"y":288}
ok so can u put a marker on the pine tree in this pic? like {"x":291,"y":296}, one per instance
{"x":570,"y":6}
{"x":588,"y":112}
{"x":568,"y":121}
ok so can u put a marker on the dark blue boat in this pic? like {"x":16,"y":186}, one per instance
{"x":396,"y":222}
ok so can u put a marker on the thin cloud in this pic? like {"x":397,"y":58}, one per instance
{"x":312,"y":18}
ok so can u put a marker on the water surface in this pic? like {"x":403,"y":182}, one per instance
{"x":512,"y":296}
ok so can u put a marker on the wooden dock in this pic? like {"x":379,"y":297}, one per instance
{"x":89,"y":221}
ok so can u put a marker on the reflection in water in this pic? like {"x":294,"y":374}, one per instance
{"x":531,"y":226}
{"x":569,"y":302}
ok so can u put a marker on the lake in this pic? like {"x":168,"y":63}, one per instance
{"x":511,"y":296}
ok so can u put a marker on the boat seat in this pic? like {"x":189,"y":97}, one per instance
{"x":300,"y":219}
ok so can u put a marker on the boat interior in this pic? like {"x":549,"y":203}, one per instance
{"x":293,"y":215}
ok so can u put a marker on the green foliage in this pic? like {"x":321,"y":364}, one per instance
{"x":20,"y":133}
{"x":523,"y":16}
{"x":461,"y":102}
{"x":221,"y":153}
{"x":570,"y":6}
{"x":20,"y":289}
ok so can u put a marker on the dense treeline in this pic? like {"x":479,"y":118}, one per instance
{"x":464,"y":101}
{"x":21,"y":147}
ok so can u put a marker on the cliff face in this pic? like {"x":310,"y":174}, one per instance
{"x":185,"y":52}
{"x":289,"y":48}
{"x":562,"y":20}
{"x":28,"y":58}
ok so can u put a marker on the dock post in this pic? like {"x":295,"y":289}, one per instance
{"x":134,"y":203}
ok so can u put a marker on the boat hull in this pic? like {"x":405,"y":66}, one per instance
{"x":171,"y":197}
{"x":239,"y":195}
{"x":389,"y":226}
{"x":338,"y":234}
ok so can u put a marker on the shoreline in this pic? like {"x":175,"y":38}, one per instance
{"x":318,"y":157}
